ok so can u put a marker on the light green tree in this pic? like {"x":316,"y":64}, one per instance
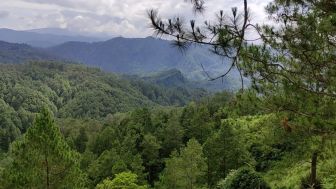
{"x":187,"y":169}
{"x":124,"y":180}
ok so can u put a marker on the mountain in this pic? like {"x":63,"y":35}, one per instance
{"x":67,"y":32}
{"x":40,"y":38}
{"x":173,"y":77}
{"x":21,"y":53}
{"x":146,"y":55}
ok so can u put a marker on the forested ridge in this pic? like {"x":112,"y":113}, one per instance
{"x":74,"y":91}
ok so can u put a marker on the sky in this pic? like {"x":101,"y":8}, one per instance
{"x":126,"y":18}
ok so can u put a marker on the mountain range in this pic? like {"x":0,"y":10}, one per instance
{"x":145,"y":57}
{"x":43,"y":37}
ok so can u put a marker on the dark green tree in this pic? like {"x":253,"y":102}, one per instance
{"x":81,"y":140}
{"x":224,"y":152}
{"x":150,"y":155}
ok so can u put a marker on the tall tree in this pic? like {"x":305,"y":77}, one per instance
{"x":186,"y":169}
{"x":224,"y":153}
{"x":42,"y":159}
{"x":150,"y":154}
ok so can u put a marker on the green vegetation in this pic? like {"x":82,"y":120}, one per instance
{"x":125,"y":180}
{"x":111,"y":132}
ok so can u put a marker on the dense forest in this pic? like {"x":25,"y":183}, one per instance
{"x":64,"y":125}
{"x":223,"y":141}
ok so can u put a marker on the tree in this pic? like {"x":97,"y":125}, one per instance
{"x":124,"y":180}
{"x":150,"y":154}
{"x":81,"y":140}
{"x":171,"y":134}
{"x":9,"y":125}
{"x":42,"y":159}
{"x":195,"y":119}
{"x":116,"y":148}
{"x":185,"y":169}
{"x":224,"y":153}
{"x":294,"y":69}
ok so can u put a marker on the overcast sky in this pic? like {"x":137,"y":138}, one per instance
{"x":114,"y":17}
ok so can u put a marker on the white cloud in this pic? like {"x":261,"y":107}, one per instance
{"x":117,"y":17}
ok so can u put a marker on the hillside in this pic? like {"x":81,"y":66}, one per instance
{"x":175,"y":77}
{"x":21,"y":53}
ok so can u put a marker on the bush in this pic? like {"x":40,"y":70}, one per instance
{"x":243,"y":178}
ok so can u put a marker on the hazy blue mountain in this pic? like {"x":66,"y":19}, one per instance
{"x":54,"y":31}
{"x":21,"y":53}
{"x":38,"y":38}
{"x":175,"y":77}
{"x":146,"y":55}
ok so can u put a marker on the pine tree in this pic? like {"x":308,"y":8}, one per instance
{"x":292,"y":64}
{"x":42,"y":159}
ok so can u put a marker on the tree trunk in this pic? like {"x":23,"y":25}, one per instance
{"x":47,"y":172}
{"x":313,"y":174}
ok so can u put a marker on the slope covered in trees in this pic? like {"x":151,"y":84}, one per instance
{"x":73,"y":90}
{"x":20,"y":53}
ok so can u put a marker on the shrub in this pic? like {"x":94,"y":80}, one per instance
{"x":243,"y":178}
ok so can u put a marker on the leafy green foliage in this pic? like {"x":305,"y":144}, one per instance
{"x":124,"y":180}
